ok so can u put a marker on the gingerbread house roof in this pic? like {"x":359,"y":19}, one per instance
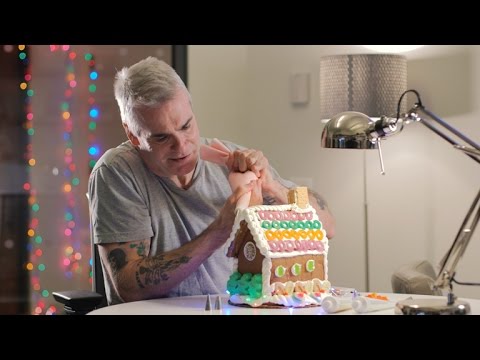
{"x":282,"y":230}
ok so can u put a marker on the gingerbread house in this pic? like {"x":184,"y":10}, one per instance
{"x":281,"y":254}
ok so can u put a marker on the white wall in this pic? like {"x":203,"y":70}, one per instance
{"x":414,"y":211}
{"x":217,"y":78}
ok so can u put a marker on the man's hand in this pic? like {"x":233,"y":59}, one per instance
{"x":255,"y":161}
{"x":248,"y":159}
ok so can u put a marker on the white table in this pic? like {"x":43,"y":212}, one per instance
{"x":195,"y":305}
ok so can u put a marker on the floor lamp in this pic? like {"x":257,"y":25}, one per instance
{"x":354,"y":130}
{"x":367,"y":83}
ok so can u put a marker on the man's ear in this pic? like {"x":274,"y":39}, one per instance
{"x":133,"y":139}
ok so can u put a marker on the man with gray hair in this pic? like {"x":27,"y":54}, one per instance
{"x":160,"y":214}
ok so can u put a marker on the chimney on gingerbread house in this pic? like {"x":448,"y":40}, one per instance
{"x":299,"y":196}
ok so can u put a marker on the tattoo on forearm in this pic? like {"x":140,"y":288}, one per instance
{"x":140,"y":248}
{"x":269,"y":200}
{"x":117,"y":259}
{"x":320,"y":200}
{"x":156,"y":269}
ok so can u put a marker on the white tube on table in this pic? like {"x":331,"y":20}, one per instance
{"x":333,"y":304}
{"x":362,"y":304}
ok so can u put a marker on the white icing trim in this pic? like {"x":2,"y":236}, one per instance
{"x":236,"y":226}
{"x":235,"y":264}
{"x":325,"y":262}
{"x":292,"y":207}
{"x":279,"y":254}
{"x":266,"y":275}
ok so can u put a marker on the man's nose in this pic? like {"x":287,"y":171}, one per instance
{"x":178,"y":142}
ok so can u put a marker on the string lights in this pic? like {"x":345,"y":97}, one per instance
{"x":72,"y":259}
{"x":93,"y":115}
{"x":36,"y":265}
{"x":72,"y":245}
{"x":93,"y":112}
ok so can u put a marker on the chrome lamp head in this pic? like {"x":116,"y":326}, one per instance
{"x":354,"y":130}
{"x":349,"y":130}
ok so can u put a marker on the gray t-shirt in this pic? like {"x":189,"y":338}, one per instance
{"x":128,"y":203}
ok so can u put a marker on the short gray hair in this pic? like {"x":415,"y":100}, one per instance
{"x":147,"y":84}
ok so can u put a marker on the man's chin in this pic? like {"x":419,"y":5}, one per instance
{"x":186,"y":169}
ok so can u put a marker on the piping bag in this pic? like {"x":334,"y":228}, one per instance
{"x":218,"y":153}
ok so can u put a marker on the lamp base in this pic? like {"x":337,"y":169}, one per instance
{"x":432,"y":307}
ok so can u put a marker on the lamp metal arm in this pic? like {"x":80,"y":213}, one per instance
{"x":420,"y":108}
{"x":448,"y":126}
{"x":462,"y":239}
{"x":457,"y":249}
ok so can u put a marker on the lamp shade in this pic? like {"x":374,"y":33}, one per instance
{"x":368,"y":83}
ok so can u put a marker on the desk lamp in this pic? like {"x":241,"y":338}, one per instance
{"x":355,"y":130}
{"x":367,"y":83}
